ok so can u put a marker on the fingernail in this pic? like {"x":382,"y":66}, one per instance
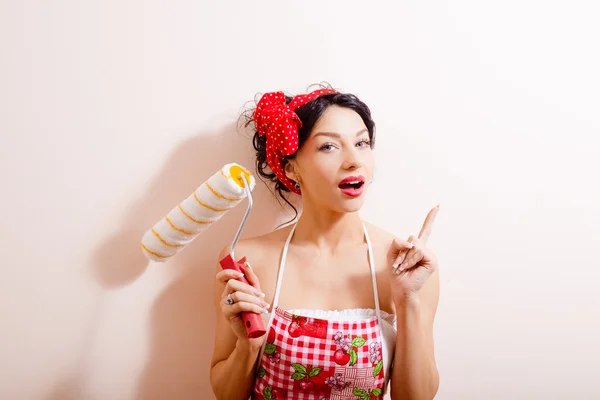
{"x":395,"y":265}
{"x":248,"y":265}
{"x":265,"y":311}
{"x":240,"y":274}
{"x":265,"y":305}
{"x":259,"y":294}
{"x":410,"y":245}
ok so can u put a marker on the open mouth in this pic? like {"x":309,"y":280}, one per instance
{"x":352,"y":185}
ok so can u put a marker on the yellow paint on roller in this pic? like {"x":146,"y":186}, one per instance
{"x":219,"y":195}
{"x":236,"y":172}
{"x":209,"y":207}
{"x":204,"y":210}
{"x":153,"y":253}
{"x":179,"y":229}
{"x":223,"y":174}
{"x":192,"y":218}
{"x":175,"y":246}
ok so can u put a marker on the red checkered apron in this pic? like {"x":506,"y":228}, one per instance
{"x":319,"y":359}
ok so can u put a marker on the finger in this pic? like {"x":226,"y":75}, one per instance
{"x":401,"y":256}
{"x":233,"y":310}
{"x":399,"y":249}
{"x":428,"y":224}
{"x":237,"y":286}
{"x":402,"y":244}
{"x":413,"y":240}
{"x":400,"y":263}
{"x":409,"y":254}
{"x":251,"y":277}
{"x":227,"y":274}
{"x":241,"y":297}
{"x":411,"y":261}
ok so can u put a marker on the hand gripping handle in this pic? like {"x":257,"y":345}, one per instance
{"x":252,"y":321}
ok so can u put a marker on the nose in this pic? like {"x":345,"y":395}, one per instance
{"x":352,"y":160}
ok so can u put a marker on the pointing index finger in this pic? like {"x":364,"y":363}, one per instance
{"x":428,"y":224}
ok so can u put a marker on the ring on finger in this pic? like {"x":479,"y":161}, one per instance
{"x":229,"y":299}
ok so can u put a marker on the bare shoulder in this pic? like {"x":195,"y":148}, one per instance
{"x":257,"y":248}
{"x":262,"y":253}
{"x":380,"y":238}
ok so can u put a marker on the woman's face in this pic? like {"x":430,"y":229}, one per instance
{"x":335,"y":164}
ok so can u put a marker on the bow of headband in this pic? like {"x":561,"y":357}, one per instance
{"x":279,"y":122}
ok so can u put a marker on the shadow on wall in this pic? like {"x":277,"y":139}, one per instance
{"x":120,"y":260}
{"x":182,"y":317}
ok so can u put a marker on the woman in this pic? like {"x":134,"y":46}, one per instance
{"x":320,"y":146}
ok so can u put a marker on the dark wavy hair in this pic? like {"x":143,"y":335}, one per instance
{"x":309,"y":114}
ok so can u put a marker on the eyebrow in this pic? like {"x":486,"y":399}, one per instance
{"x":337,"y":135}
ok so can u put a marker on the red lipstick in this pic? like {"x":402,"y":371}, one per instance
{"x":352,"y":186}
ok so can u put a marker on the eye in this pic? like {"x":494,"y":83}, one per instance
{"x":363,"y":143}
{"x":327,"y":147}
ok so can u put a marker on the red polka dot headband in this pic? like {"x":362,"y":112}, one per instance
{"x":279,"y":122}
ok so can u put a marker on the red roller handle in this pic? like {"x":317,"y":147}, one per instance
{"x":252,"y":321}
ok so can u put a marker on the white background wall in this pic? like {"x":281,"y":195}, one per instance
{"x":111,"y":112}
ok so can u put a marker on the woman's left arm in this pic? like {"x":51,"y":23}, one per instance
{"x":415,"y":289}
{"x":415,"y":374}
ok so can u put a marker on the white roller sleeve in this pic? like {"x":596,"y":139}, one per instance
{"x":219,"y":194}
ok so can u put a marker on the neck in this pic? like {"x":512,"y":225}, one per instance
{"x":327,"y":230}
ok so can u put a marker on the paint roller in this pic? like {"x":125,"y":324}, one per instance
{"x":206,"y":205}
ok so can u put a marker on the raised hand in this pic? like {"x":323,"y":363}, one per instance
{"x":412,"y":263}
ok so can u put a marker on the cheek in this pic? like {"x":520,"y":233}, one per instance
{"x":319,"y":173}
{"x":327,"y":169}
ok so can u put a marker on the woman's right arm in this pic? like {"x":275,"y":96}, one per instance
{"x":233,"y":364}
{"x":233,"y":377}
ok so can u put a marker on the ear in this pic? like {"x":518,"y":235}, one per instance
{"x":290,"y":170}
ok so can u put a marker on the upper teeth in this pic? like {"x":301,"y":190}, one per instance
{"x":354,"y":182}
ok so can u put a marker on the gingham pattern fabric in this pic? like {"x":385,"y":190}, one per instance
{"x":317,"y":359}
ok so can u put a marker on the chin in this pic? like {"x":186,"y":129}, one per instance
{"x":340,"y":202}
{"x":351,"y":205}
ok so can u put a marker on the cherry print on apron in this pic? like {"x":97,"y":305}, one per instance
{"x":319,"y":359}
{"x":311,"y":358}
